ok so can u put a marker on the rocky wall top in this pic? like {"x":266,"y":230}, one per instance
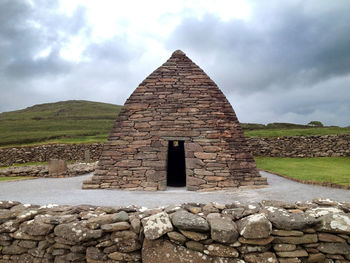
{"x":267,"y":232}
{"x":302,"y":146}
{"x":43,"y":153}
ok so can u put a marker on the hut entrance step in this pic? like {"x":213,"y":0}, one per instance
{"x":176,"y":170}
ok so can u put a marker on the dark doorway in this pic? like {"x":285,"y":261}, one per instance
{"x":176,"y":164}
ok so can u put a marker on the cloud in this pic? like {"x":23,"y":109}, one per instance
{"x":278,"y":46}
{"x":275,"y":61}
{"x":47,"y":55}
{"x":27,"y":30}
{"x":289,"y":53}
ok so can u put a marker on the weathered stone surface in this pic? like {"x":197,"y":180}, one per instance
{"x":121,"y":216}
{"x":156,"y":251}
{"x":115,"y":226}
{"x":223,"y":230}
{"x":258,"y":241}
{"x":284,"y":220}
{"x":21,"y":235}
{"x":126,"y":241}
{"x":177,"y":237}
{"x":219,"y":250}
{"x":245,"y":249}
{"x":254,"y":226}
{"x":8,"y":204}
{"x":195,"y":245}
{"x":76,"y":232}
{"x":135,"y":225}
{"x":334,"y":248}
{"x":284,"y":247}
{"x":188,"y":221}
{"x":325,"y":237}
{"x":36,"y":228}
{"x":13,"y":250}
{"x":335,"y":223}
{"x":305,"y":239}
{"x":96,"y":222}
{"x":322,"y":211}
{"x":287,"y":233}
{"x":57,"y":167}
{"x":315,"y":258}
{"x":55,"y":219}
{"x":266,"y":257}
{"x":27,"y":243}
{"x":194,"y":235}
{"x":235,"y":213}
{"x":95,"y":255}
{"x":278,"y":203}
{"x":157,"y":225}
{"x":292,"y":254}
{"x":125,"y":257}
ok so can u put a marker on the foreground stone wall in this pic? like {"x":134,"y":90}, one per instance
{"x":271,"y":231}
{"x":301,"y":146}
{"x":298,"y":146}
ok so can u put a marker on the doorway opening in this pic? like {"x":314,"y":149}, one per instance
{"x":176,"y":173}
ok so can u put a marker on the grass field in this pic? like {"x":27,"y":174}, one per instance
{"x":5,"y":179}
{"x":324,"y":169}
{"x":61,"y":122}
{"x":296,"y":132}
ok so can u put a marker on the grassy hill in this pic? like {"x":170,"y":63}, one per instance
{"x":64,"y":122}
{"x":289,"y":129}
{"x":79,"y":121}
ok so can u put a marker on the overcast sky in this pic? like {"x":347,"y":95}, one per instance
{"x":276,"y":61}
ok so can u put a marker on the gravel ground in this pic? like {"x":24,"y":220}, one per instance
{"x":68,"y":191}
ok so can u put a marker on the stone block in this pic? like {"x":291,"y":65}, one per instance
{"x":57,"y":167}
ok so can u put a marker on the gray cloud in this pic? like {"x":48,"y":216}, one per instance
{"x":279,"y":45}
{"x":290,"y":61}
{"x":284,"y":53}
{"x":26,"y":78}
{"x":27,"y":30}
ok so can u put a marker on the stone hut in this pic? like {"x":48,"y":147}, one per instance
{"x":176,"y":129}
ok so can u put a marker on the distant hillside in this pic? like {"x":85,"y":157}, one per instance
{"x":66,"y":121}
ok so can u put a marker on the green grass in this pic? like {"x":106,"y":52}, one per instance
{"x":61,"y":122}
{"x":323,"y":169}
{"x":296,"y":132}
{"x":5,"y":179}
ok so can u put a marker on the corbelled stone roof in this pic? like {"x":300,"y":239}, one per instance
{"x":178,"y":101}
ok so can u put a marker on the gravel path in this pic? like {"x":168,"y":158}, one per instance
{"x":68,"y":191}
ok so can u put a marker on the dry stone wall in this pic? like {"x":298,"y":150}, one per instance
{"x":44,"y":153}
{"x":298,"y":146}
{"x":43,"y":170}
{"x":267,"y":232}
{"x":301,"y":146}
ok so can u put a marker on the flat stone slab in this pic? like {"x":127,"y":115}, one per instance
{"x":68,"y":191}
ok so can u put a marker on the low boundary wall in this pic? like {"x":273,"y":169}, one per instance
{"x":43,"y":170}
{"x":298,"y":146}
{"x":271,"y":231}
{"x":301,"y":146}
